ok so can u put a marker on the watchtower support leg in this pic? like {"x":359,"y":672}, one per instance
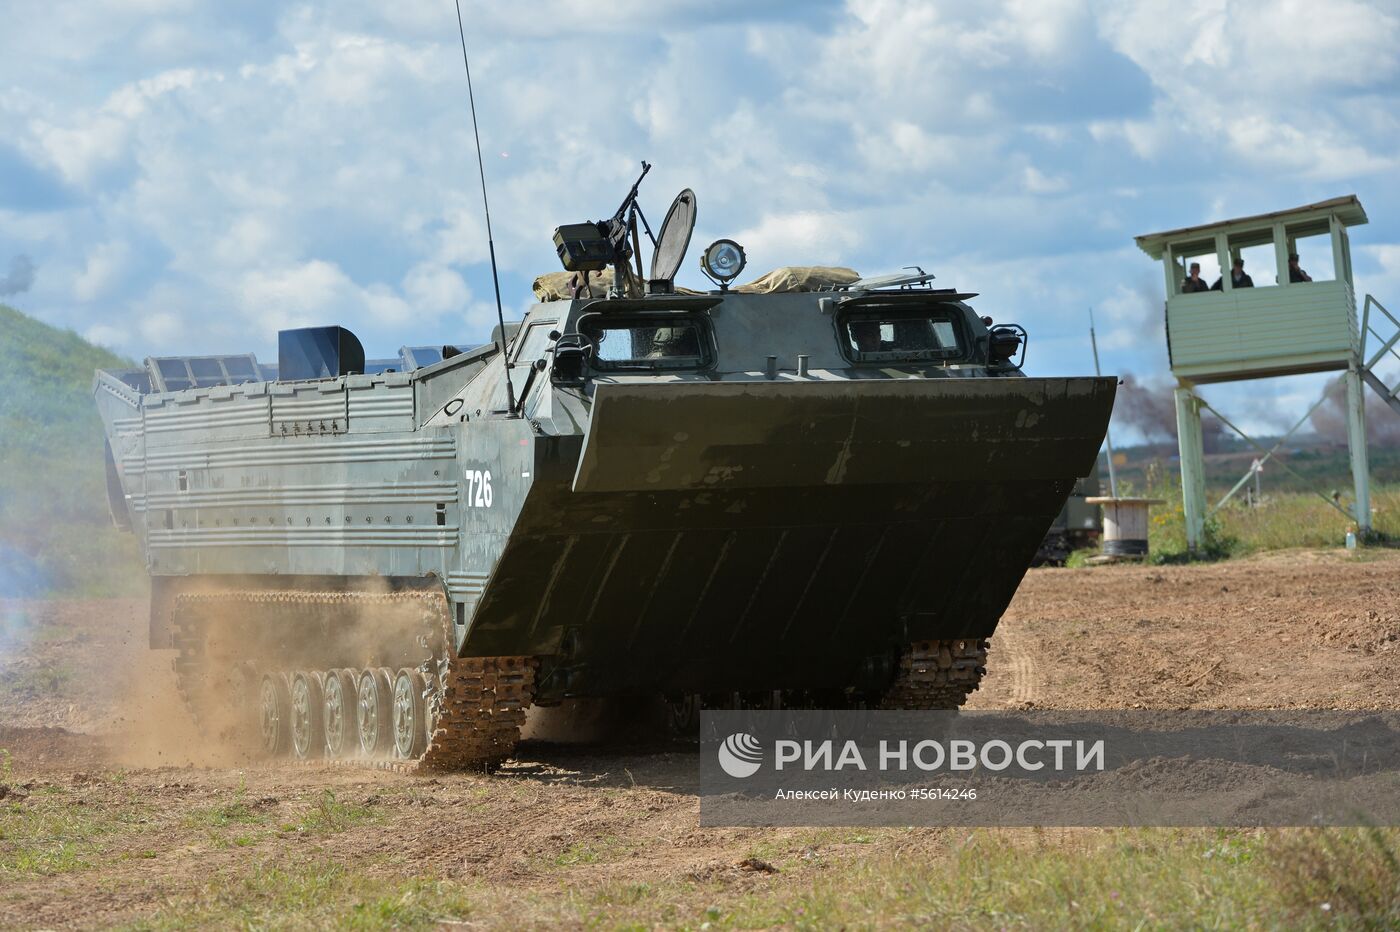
{"x":1356,"y":444}
{"x":1193,"y":464}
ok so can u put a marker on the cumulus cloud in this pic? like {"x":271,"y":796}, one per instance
{"x":435,"y":290}
{"x":102,"y":271}
{"x":822,"y":236}
{"x":1037,"y":182}
{"x":1261,"y":80}
{"x":1130,"y":316}
{"x":217,"y":171}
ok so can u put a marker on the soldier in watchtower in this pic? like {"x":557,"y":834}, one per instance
{"x":1194,"y":282}
{"x":1295,"y":273}
{"x":1239,"y":278}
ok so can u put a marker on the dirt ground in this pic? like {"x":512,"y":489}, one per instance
{"x":112,"y":813}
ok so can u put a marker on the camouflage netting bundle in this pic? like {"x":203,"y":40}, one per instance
{"x":792,"y":278}
{"x":558,"y":286}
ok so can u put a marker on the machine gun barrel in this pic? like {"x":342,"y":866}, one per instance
{"x":631,"y":197}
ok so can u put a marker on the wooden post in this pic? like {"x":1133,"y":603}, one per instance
{"x":1346,"y":255}
{"x":1173,"y":279}
{"x":1193,"y":465}
{"x":1222,"y":255}
{"x":1356,"y":446}
{"x":1341,"y":266}
{"x":1281,"y":251}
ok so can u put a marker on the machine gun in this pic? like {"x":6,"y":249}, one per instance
{"x":592,"y":247}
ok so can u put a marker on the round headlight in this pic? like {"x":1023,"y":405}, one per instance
{"x":723,"y":260}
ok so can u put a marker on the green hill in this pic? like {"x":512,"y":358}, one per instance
{"x":56,"y":536}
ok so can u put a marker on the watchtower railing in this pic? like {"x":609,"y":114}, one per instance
{"x":1368,"y":364}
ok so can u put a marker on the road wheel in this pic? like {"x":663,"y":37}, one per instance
{"x":373,"y":702}
{"x":340,"y":715}
{"x":275,"y":714}
{"x":308,"y":716}
{"x":410,"y":725}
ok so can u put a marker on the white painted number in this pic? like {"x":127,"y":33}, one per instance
{"x":478,"y":488}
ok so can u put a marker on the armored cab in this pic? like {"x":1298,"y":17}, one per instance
{"x":820,"y":492}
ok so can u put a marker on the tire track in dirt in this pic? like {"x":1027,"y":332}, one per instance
{"x":1013,"y":677}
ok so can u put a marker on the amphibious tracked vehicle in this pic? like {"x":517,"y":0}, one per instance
{"x":817,"y":491}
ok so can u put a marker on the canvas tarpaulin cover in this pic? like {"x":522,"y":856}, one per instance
{"x":557,"y":286}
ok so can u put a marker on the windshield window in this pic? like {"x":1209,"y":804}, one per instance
{"x":672,"y":342}
{"x":901,"y":335}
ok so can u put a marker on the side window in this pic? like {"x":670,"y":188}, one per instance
{"x":1200,"y":257}
{"x":1312,"y":244}
{"x":534,"y":346}
{"x":174,"y":374}
{"x":1255,"y":249}
{"x":206,"y":372}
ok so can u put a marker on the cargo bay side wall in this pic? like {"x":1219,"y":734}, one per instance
{"x":294,"y":480}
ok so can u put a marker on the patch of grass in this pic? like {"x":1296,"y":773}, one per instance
{"x":1349,"y":877}
{"x":1278,"y":522}
{"x":585,"y":852}
{"x":1301,"y":520}
{"x":35,"y":682}
{"x":59,"y":857}
{"x":1080,"y":558}
{"x":217,"y":820}
{"x":767,"y":850}
{"x":48,"y":834}
{"x":1138,"y":878}
{"x":317,"y":895}
{"x":577,"y":853}
{"x":594,"y":849}
{"x":330,"y":815}
{"x":975,"y":879}
{"x":237,"y":812}
{"x":627,"y":894}
{"x":1286,"y":517}
{"x":413,"y":903}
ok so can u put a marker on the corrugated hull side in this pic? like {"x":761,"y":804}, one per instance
{"x":315,"y":479}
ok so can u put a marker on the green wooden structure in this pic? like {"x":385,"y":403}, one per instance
{"x":1277,"y":327}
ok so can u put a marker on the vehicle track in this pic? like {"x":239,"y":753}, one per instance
{"x":443,"y":713}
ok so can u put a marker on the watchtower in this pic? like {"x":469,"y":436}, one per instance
{"x":1286,"y":322}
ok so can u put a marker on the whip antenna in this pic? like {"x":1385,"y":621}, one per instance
{"x":486,"y":208}
{"x":1108,"y":431}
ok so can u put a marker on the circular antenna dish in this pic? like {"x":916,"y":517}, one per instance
{"x":674,"y":238}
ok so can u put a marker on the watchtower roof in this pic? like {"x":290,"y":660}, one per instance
{"x":1347,"y":209}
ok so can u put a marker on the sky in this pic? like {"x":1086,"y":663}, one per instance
{"x":179,"y":176}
